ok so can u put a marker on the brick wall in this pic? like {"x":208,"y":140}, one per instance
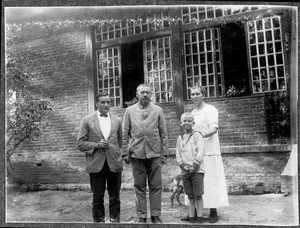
{"x":54,"y":159}
{"x":242,"y":168}
{"x":241,"y":120}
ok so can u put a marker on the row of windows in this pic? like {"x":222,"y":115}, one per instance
{"x":189,"y":14}
{"x":202,"y":62}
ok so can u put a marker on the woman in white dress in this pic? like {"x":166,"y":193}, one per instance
{"x":206,"y":122}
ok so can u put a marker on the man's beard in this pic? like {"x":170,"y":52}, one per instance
{"x":144,"y":101}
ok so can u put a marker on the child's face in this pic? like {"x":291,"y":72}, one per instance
{"x":187,"y":123}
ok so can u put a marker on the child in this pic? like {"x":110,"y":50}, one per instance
{"x":189,"y":156}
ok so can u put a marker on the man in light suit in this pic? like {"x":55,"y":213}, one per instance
{"x":100,"y":138}
{"x":145,"y":146}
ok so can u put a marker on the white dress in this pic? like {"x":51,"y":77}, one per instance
{"x":215,"y":190}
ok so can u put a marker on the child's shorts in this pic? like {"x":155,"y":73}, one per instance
{"x":193,"y":185}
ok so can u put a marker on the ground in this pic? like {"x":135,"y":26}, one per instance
{"x":75,"y":206}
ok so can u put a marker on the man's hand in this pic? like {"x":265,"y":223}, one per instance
{"x":195,"y":168}
{"x":163,"y":160}
{"x":126,"y":158}
{"x":103,"y":144}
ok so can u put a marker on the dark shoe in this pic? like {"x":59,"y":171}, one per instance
{"x":192,"y":219}
{"x":114,"y":220}
{"x":199,"y":220}
{"x":99,"y":220}
{"x":155,"y":219}
{"x":213,"y":218}
{"x":142,"y":220}
{"x":185,"y":218}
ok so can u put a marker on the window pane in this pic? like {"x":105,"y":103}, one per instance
{"x":262,"y":61}
{"x":263,"y":74}
{"x":270,"y":65}
{"x":277,"y":34}
{"x":271,"y":61}
{"x":254,"y":62}
{"x":260,"y":37}
{"x":253,"y":50}
{"x":261,"y":49}
{"x":259,"y":25}
{"x":279,"y":59}
{"x":203,"y":81}
{"x":278,"y":47}
{"x":270,"y":48}
{"x":273,"y":84}
{"x":255,"y":75}
{"x":268,"y":36}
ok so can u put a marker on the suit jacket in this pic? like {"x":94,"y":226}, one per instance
{"x":145,"y":132}
{"x":88,"y":137}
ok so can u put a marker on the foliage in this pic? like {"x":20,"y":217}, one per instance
{"x":17,"y":30}
{"x":277,"y":106}
{"x":25,"y":112}
{"x":131,"y":102}
{"x":232,"y":91}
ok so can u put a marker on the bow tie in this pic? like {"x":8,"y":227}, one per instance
{"x":103,"y":115}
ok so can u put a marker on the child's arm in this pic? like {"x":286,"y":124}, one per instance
{"x":179,"y":160}
{"x":200,"y":149}
{"x":178,"y":152}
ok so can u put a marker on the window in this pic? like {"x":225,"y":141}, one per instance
{"x":235,"y":60}
{"x":203,"y":61}
{"x":266,"y":53}
{"x":121,"y":69}
{"x":158,"y":68}
{"x":130,"y":27}
{"x":108,"y":73}
{"x":192,"y":14}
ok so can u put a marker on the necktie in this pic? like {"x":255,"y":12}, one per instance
{"x":103,"y":115}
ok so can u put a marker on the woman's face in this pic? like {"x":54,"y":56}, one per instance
{"x":197,"y":96}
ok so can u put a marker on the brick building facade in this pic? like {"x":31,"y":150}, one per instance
{"x":74,"y":64}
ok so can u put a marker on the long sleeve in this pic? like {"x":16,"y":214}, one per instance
{"x":200,"y":149}
{"x":163,"y":134}
{"x":178,"y":151}
{"x":126,"y":132}
{"x":83,"y":143}
{"x":120,"y":135}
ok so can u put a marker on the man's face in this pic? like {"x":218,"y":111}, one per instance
{"x":103,"y":104}
{"x":197,"y":96}
{"x":144,"y":95}
{"x":187,"y":123}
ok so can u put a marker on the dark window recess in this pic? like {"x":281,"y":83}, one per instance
{"x":132,"y":69}
{"x":235,"y":63}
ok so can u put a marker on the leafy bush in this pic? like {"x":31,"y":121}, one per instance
{"x":25,"y":112}
{"x":277,"y":106}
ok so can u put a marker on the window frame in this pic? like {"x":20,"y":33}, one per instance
{"x":155,"y":34}
{"x":159,"y":69}
{"x":266,"y":54}
{"x":251,"y":15}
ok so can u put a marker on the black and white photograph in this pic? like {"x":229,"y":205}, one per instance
{"x":149,"y":114}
